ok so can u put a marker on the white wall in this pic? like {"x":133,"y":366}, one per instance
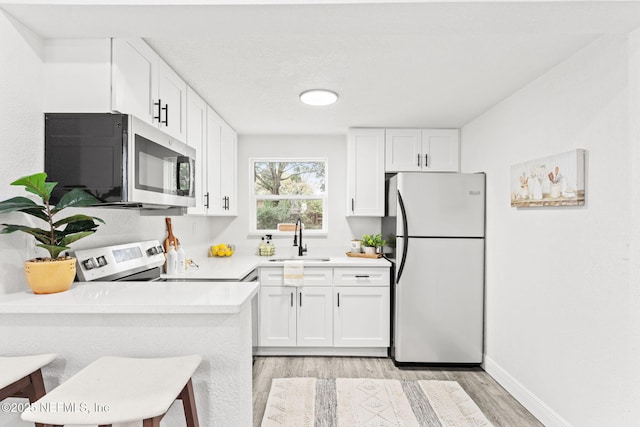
{"x":341,"y":229}
{"x":22,"y":124}
{"x":558,"y":306}
{"x":634,"y":141}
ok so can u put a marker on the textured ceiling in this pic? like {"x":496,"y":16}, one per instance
{"x":417,"y":64}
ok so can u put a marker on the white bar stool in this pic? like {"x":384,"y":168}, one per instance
{"x":21,"y":376}
{"x":120,"y":389}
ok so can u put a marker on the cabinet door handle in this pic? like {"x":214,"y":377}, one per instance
{"x":338,"y":299}
{"x":353,"y":205}
{"x":291,"y":299}
{"x":159,"y":104}
{"x":300,"y":299}
{"x":426,"y":158}
{"x":166,"y":114}
{"x":228,"y":202}
{"x":362,"y":276}
{"x":206,"y":197}
{"x":418,"y":160}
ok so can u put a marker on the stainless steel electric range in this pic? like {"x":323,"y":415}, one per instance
{"x":138,"y":261}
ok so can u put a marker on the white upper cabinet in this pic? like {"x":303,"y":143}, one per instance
{"x":171,"y":102}
{"x":134,"y":80}
{"x":222,"y":160}
{"x":422,"y":150}
{"x":114,"y":75}
{"x":403,"y":150}
{"x":145,"y":86}
{"x":197,"y":138}
{"x":441,"y":150}
{"x":365,"y":172}
{"x":228,"y":170}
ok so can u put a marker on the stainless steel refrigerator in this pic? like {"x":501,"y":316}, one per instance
{"x":438,"y":300}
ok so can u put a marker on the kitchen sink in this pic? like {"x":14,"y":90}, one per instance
{"x":300,"y":259}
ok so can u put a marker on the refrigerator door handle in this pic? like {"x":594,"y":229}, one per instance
{"x":405,"y":242}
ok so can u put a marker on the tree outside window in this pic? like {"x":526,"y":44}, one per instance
{"x":287,"y":189}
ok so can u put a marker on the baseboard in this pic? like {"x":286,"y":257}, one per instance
{"x":537,"y":407}
{"x":322,"y":351}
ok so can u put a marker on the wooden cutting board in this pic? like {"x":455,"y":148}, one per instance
{"x":170,"y":237}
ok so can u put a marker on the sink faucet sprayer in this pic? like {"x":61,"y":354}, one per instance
{"x":301,"y":250}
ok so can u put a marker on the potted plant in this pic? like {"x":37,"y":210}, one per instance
{"x":54,"y":274}
{"x":371,"y":242}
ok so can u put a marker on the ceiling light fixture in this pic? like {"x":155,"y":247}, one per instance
{"x":318,"y":97}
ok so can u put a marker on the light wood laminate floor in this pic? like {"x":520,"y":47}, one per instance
{"x":498,"y":405}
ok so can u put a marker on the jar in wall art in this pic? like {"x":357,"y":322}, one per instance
{"x":535,"y":189}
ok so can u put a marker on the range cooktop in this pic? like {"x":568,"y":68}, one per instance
{"x":120,"y":262}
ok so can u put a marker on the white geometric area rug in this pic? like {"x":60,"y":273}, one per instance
{"x":366,"y":402}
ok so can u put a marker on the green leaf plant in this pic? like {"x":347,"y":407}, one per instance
{"x":373,"y":240}
{"x":61,"y":232}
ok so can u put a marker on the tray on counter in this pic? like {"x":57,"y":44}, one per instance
{"x":363,"y":255}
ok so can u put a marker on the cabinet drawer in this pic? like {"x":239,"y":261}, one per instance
{"x":361,"y":276}
{"x":273,"y":276}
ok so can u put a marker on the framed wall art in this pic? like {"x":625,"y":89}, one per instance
{"x":556,"y":180}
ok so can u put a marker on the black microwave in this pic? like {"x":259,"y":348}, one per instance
{"x":119,"y":159}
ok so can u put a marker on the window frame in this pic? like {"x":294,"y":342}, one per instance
{"x":253,"y":197}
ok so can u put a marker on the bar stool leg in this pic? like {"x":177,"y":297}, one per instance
{"x":37,"y":389}
{"x":37,"y":382}
{"x":152,"y":422}
{"x":189,"y":405}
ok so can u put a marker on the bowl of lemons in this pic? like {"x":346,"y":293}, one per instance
{"x":222,"y":250}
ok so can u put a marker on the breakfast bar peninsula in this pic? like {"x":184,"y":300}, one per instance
{"x":142,"y":319}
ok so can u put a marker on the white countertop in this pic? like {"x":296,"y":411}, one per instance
{"x":222,"y":293}
{"x":135,"y":297}
{"x":238,"y":266}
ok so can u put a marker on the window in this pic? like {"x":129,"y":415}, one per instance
{"x":284,"y":190}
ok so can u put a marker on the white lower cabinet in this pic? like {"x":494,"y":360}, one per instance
{"x":277,"y":316}
{"x":361,"y":316}
{"x":291,"y":316}
{"x":335,"y":308}
{"x":315,"y":317}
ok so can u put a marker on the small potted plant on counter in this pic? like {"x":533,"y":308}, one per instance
{"x":54,"y":274}
{"x":371,"y":243}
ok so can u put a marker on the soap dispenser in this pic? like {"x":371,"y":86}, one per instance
{"x":271,"y":248}
{"x":262,"y":248}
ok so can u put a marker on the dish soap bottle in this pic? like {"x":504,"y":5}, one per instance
{"x":182,"y":260}
{"x":172,"y":259}
{"x":262,"y":248}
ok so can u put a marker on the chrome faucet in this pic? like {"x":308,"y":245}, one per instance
{"x":301,"y":250}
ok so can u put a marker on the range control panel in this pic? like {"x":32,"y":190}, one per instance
{"x":110,"y":262}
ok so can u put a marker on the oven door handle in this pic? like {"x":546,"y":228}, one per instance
{"x":183,"y":176}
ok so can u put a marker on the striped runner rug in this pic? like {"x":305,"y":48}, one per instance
{"x":355,"y":402}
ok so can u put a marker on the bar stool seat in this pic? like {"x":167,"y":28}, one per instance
{"x":21,"y":376}
{"x":15,"y":368}
{"x":120,"y":389}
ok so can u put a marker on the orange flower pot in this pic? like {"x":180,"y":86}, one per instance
{"x":51,"y":276}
